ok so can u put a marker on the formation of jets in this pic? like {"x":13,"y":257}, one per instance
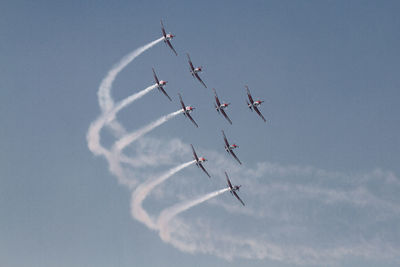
{"x":219,"y":105}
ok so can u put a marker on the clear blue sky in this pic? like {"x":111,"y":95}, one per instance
{"x":326,"y":164}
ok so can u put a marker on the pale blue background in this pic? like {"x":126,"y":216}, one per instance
{"x":328,"y":70}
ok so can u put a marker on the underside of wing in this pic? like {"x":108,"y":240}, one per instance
{"x":236,"y":195}
{"x":249,"y":95}
{"x":190,"y":118}
{"x":259,"y":113}
{"x":204,"y":170}
{"x":163,"y":30}
{"x":190,"y":62}
{"x":165,"y":93}
{"x":228,"y":181}
{"x":170,"y":46}
{"x":182,"y":104}
{"x":194,"y":153}
{"x":155,"y":76}
{"x":234,"y":155}
{"x":225,"y":115}
{"x":216,"y":98}
{"x":225,"y":140}
{"x":200,"y":80}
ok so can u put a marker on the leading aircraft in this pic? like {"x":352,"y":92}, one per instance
{"x":160,"y":85}
{"x":186,"y":110}
{"x":167,"y":37}
{"x":199,"y":161}
{"x":220,"y":107}
{"x":194,"y":71}
{"x":233,"y":189}
{"x":254,"y":104}
{"x":229,"y":148}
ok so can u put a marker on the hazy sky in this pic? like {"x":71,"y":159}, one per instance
{"x":320,"y":179}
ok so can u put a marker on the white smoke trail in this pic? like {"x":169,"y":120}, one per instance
{"x":128,"y":139}
{"x":141,"y":192}
{"x":93,"y":135}
{"x":169,"y":213}
{"x":316,"y":203}
{"x":104,"y":93}
{"x":126,"y":101}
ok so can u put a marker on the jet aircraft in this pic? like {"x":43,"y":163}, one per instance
{"x":186,"y":110}
{"x":194,"y":71}
{"x":233,"y":189}
{"x":220,"y":107}
{"x":167,"y":37}
{"x":199,"y":161}
{"x":254,"y":104}
{"x":229,"y":148}
{"x":160,"y":85}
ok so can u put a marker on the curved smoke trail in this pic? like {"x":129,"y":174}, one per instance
{"x":129,"y":138}
{"x":376,"y":205}
{"x":109,"y":112}
{"x":141,"y":192}
{"x":167,"y":214}
{"x":104,"y":94}
{"x":93,"y":135}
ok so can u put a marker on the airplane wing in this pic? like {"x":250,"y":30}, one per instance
{"x":190,"y":62}
{"x":216,"y":98}
{"x":182,"y":104}
{"x":259,"y":113}
{"x":226,"y":116}
{"x":236,"y":195}
{"x":204,"y":170}
{"x":170,"y":46}
{"x":165,"y":93}
{"x":225,"y":140}
{"x":163,"y":30}
{"x":190,"y":118}
{"x":227,"y":180}
{"x":234,"y":155}
{"x":155,"y":77}
{"x":200,"y":80}
{"x":194,"y":153}
{"x":249,"y":95}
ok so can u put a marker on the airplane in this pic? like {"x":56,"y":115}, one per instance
{"x":186,"y":110}
{"x":194,"y":71}
{"x":233,"y":189}
{"x":199,"y":161}
{"x":229,"y":148}
{"x":254,"y":104}
{"x":167,"y":37}
{"x":220,"y":107}
{"x":160,"y":85}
